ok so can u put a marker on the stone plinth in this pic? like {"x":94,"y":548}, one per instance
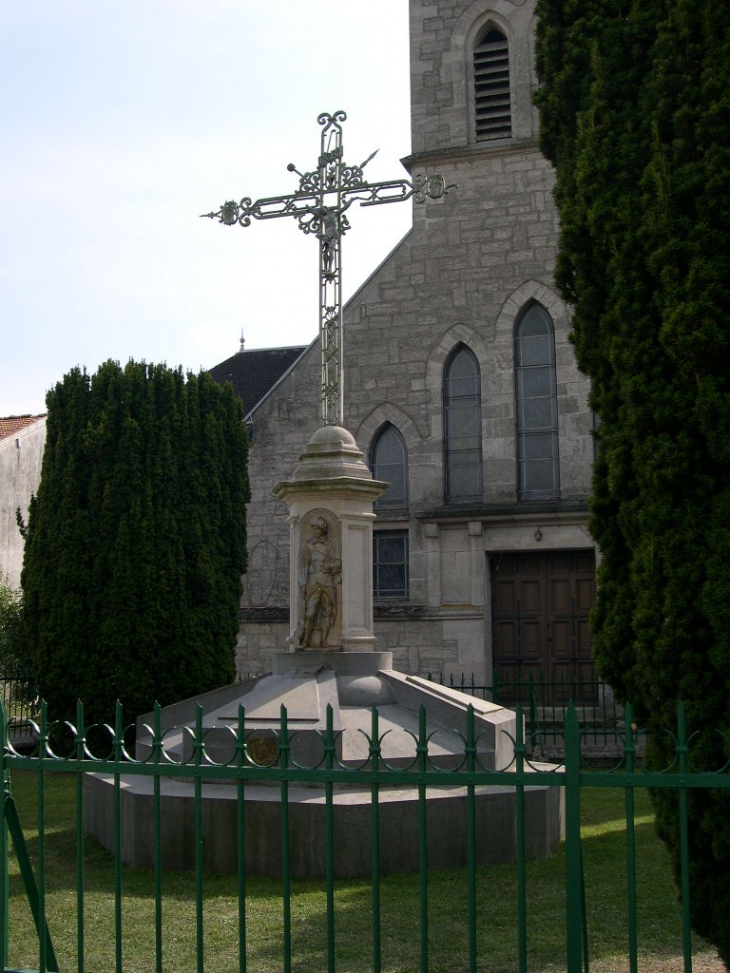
{"x":351,"y":685}
{"x":398,"y":811}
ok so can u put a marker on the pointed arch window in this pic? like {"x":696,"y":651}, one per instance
{"x":389,"y":462}
{"x":493,"y":111}
{"x":536,"y":405}
{"x":462,"y":427}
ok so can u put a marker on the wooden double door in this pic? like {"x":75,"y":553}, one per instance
{"x":541,"y":602}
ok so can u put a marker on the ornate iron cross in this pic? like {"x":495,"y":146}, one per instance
{"x":320,"y":204}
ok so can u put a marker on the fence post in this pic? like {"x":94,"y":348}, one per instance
{"x":682,"y":770}
{"x":79,"y":748}
{"x":519,"y":753}
{"x":422,"y":756}
{"x":5,"y":785}
{"x":374,"y":752}
{"x":241,"y":834}
{"x":629,"y":754}
{"x":533,"y":733}
{"x":283,"y":763}
{"x":470,"y":752}
{"x":329,"y":762}
{"x":573,"y":863}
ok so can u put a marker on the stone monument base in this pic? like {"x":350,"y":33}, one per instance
{"x":446,"y":817}
{"x":349,"y":685}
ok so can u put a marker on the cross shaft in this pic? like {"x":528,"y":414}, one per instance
{"x":320,"y":205}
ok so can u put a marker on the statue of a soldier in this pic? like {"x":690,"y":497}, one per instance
{"x":320,"y":569}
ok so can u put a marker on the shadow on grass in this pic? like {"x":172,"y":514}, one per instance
{"x":401,"y":930}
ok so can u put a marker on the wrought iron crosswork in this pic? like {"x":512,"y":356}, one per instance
{"x":320,"y":206}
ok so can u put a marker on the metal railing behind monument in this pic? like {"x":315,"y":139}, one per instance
{"x":18,"y":694}
{"x":545,"y":698}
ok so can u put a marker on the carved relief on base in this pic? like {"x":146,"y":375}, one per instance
{"x":319,"y":580}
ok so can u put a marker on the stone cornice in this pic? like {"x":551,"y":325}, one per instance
{"x":469,"y":153}
{"x":548,"y":512}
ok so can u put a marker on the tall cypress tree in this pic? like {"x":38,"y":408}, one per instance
{"x":635,"y":113}
{"x":136,"y":541}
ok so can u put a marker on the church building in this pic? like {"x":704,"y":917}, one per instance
{"x":461,"y":389}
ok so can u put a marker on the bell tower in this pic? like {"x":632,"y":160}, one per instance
{"x":472,"y":77}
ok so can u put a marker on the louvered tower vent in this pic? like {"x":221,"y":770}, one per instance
{"x":491,"y":87}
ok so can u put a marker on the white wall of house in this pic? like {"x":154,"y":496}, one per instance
{"x":21,"y":455}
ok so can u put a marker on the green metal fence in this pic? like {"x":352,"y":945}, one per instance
{"x":75,"y":751}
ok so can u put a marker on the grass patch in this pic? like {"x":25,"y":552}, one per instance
{"x":604,"y":853}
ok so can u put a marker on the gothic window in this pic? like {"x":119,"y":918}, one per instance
{"x":536,"y":405}
{"x":462,"y":427}
{"x":390,"y":564}
{"x":389,"y":462}
{"x":493,"y":114}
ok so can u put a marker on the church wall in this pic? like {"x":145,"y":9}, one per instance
{"x":439,"y":290}
{"x":280,"y":430}
{"x":475,"y":259}
{"x":441,"y":78}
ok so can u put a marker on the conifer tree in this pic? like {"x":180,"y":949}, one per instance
{"x":11,"y":651}
{"x":635,"y":115}
{"x":136,"y":541}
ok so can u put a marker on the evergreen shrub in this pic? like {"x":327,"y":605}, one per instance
{"x":634,"y":103}
{"x":136,"y":541}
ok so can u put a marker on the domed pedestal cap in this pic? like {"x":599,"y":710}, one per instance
{"x":332,"y":452}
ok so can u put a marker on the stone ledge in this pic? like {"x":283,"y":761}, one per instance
{"x":446,"y":821}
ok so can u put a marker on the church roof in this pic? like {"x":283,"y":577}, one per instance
{"x":254,"y":373}
{"x":13,"y":424}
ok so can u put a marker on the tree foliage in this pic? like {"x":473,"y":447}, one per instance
{"x":635,"y":115}
{"x":136,"y":541}
{"x":11,"y":653}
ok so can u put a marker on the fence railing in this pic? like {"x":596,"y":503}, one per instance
{"x":19,"y":695}
{"x":545,"y":699}
{"x":79,"y":750}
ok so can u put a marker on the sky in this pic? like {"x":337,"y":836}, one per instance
{"x":121,"y":121}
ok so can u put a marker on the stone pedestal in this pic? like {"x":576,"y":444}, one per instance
{"x":330,"y":500}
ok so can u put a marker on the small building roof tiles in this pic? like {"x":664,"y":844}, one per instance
{"x":12,"y":424}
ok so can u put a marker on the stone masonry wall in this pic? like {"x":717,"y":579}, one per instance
{"x":473,"y":261}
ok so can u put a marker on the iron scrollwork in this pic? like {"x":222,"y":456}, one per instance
{"x":319,"y":205}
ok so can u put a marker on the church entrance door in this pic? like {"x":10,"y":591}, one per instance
{"x":540,"y":607}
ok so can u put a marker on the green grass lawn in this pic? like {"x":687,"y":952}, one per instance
{"x":604,"y":852}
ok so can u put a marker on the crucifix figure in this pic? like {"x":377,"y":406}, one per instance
{"x":320,"y":205}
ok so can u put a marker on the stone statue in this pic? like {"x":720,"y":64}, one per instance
{"x":320,"y":569}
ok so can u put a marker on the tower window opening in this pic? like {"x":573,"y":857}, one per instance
{"x":491,"y":87}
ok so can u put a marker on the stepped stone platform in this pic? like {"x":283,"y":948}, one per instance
{"x":352,"y":683}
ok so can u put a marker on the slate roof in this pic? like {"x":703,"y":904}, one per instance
{"x":13,"y":424}
{"x":254,"y":373}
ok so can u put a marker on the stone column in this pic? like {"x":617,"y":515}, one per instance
{"x":475,"y":532}
{"x":330,"y":499}
{"x":432,"y":534}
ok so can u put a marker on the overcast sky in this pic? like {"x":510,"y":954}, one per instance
{"x":123,"y":120}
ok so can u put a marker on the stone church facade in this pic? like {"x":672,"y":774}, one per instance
{"x":461,"y":389}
